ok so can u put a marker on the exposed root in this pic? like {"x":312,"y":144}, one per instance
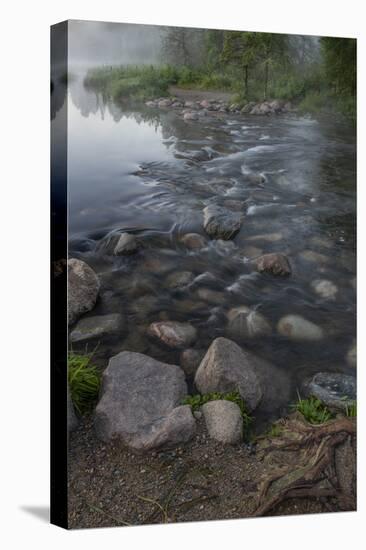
{"x":310,"y":462}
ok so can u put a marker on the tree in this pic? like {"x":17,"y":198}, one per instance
{"x":339,"y":56}
{"x":272,"y":49}
{"x":238,"y":49}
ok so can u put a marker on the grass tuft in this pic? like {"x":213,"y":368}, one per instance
{"x":313,"y":410}
{"x":84,"y":381}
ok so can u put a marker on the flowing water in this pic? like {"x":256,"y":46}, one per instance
{"x":151,"y":173}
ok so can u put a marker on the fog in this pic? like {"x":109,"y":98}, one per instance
{"x":98,"y":43}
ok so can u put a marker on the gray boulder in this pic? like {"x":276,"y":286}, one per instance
{"x":98,"y":326}
{"x":221,"y":223}
{"x":83,"y":288}
{"x":336,"y":390}
{"x":140,"y":403}
{"x":224,"y":421}
{"x":226,"y":367}
{"x":190,"y":359}
{"x":173,"y":334}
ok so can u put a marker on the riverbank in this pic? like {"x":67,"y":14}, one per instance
{"x":202,"y":480}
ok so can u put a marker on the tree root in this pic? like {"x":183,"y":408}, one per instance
{"x":309,"y":464}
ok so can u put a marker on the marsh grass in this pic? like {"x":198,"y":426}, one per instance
{"x":313,"y":410}
{"x":84,"y":381}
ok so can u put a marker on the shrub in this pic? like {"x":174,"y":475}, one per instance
{"x":84,"y":381}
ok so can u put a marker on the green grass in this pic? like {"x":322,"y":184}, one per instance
{"x":84,"y":381}
{"x":313,"y":410}
{"x":351,"y":409}
{"x":196,"y":401}
{"x":274,"y":431}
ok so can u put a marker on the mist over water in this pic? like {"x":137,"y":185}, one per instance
{"x":97,"y":43}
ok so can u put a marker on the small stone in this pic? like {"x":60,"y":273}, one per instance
{"x":247,"y":323}
{"x":190,"y":116}
{"x":193,"y":241}
{"x":296,"y":327}
{"x":314,"y":257}
{"x":174,"y":334}
{"x":275,"y":264}
{"x":324,"y":288}
{"x":179,"y":279}
{"x":221,"y":223}
{"x":126,"y":244}
{"x":211,"y":296}
{"x":224,"y":421}
{"x":98,"y":326}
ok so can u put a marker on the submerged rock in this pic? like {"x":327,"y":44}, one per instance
{"x":324,"y":288}
{"x":336,"y":390}
{"x":314,"y":257}
{"x":226,"y":367}
{"x":352,"y":355}
{"x":174,"y":334}
{"x":126,"y":244}
{"x":190,"y":116}
{"x":247,"y":323}
{"x":140,"y":403}
{"x":224,"y":421}
{"x":211,"y":296}
{"x":296,"y":327}
{"x":193,"y":241}
{"x":83,"y":288}
{"x":179,"y":280}
{"x":98,"y":326}
{"x":190,"y":359}
{"x":221,"y":223}
{"x":275,"y":264}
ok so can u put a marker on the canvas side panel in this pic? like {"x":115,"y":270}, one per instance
{"x":59,"y":52}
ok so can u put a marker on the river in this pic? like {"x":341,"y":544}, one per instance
{"x":149,"y":172}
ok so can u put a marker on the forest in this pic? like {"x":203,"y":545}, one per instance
{"x":317,"y":73}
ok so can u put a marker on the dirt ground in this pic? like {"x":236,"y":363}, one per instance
{"x":199,"y":95}
{"x":204,"y":480}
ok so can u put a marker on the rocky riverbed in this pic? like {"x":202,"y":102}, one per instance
{"x":217,"y":255}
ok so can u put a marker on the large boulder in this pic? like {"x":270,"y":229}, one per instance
{"x":173,"y":334}
{"x":224,"y":421}
{"x":274,"y":264}
{"x":190,"y":360}
{"x":140,"y":403}
{"x":83,"y":288}
{"x":296,"y":327}
{"x":221,"y":223}
{"x":225,"y":368}
{"x":98,"y":326}
{"x":244,"y":322}
{"x":336,"y":390}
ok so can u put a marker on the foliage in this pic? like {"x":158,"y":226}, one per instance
{"x":84,"y":381}
{"x":275,"y":431}
{"x":196,"y":401}
{"x":351,"y":409}
{"x":313,"y":410}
